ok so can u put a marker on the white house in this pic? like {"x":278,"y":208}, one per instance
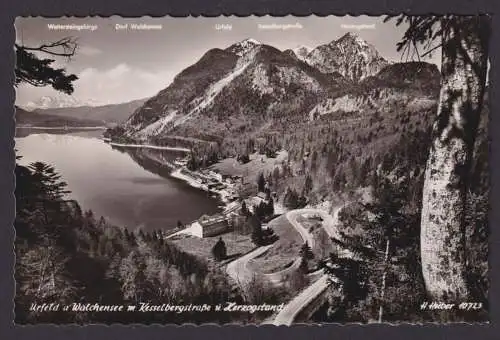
{"x":208,"y":226}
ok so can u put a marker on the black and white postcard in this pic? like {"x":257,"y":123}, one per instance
{"x":252,"y":170}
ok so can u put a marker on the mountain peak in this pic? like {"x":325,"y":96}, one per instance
{"x":352,"y":38}
{"x":350,"y":35}
{"x":301,"y":47}
{"x":250,"y":41}
{"x":242,"y":47}
{"x":350,"y":55}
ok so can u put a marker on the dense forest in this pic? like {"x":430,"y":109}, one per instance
{"x":384,"y":280}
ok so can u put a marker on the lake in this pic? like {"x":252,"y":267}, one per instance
{"x":130,"y":187}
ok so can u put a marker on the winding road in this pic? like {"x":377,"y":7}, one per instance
{"x":288,"y":314}
{"x":238,"y":269}
{"x":241,"y":273}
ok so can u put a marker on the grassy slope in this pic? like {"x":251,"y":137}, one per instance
{"x":258,"y":163}
{"x":202,"y":247}
{"x":284,"y":251}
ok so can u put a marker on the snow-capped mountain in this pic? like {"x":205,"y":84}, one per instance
{"x":350,"y":56}
{"x":60,"y":101}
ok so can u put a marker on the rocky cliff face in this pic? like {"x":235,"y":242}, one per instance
{"x":350,"y":56}
{"x":412,"y":86}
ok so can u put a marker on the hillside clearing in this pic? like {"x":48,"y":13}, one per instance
{"x":202,"y":247}
{"x":283,"y":252}
{"x":258,"y":163}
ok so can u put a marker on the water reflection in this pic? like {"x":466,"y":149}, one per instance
{"x":129,"y":186}
{"x":89,"y":133}
{"x":159,"y":162}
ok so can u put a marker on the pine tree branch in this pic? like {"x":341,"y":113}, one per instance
{"x":68,"y":45}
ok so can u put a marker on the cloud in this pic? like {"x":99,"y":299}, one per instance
{"x":88,"y":51}
{"x":118,"y":84}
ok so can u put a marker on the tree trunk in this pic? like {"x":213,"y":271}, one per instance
{"x":463,"y":72}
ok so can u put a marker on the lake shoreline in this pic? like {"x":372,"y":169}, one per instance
{"x":223,"y":194}
{"x":189,"y":177}
{"x":181,"y":172}
{"x":61,"y":127}
{"x":145,"y":146}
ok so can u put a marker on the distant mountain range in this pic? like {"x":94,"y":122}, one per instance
{"x":30,"y":118}
{"x":250,"y":88}
{"x":59,"y":101}
{"x":110,"y":114}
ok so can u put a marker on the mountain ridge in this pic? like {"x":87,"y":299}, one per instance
{"x":233,"y":101}
{"x":109,"y":114}
{"x":260,"y":73}
{"x":262,"y":81}
{"x":59,"y":101}
{"x":33,"y":118}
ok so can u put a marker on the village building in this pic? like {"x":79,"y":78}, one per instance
{"x":208,"y":226}
{"x":231,"y":178}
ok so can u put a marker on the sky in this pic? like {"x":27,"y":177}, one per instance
{"x":115,"y":64}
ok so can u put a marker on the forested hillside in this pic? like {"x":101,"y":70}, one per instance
{"x":392,"y":220}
